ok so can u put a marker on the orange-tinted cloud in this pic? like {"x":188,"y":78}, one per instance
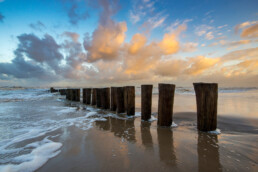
{"x":199,"y":64}
{"x":105,"y":42}
{"x":251,"y":31}
{"x":137,"y":42}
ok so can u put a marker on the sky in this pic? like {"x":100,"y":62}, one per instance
{"x":88,"y":43}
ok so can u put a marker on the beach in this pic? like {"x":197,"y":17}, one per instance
{"x":53,"y":134}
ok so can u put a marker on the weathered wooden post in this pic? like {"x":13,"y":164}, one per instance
{"x":120,"y":100}
{"x":84,"y":95}
{"x":52,"y":90}
{"x":105,"y":98}
{"x":102,"y":97}
{"x":93,"y":100}
{"x":98,"y":97}
{"x":88,"y":96}
{"x":72,"y":95}
{"x":130,"y":100}
{"x":76,"y":95}
{"x":206,"y":101}
{"x":146,"y":101}
{"x":165,"y":107}
{"x":62,"y":92}
{"x":125,"y":97}
{"x":68,"y":94}
{"x":113,"y":99}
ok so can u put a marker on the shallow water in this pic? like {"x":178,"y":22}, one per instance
{"x":34,"y":123}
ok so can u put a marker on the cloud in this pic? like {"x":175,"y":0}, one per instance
{"x":72,"y":35}
{"x":199,"y":64}
{"x":43,"y":51}
{"x":209,"y":36}
{"x":170,"y":68}
{"x":244,"y":24}
{"x":169,"y":44}
{"x":134,"y":18}
{"x":223,"y":26}
{"x":137,"y":42}
{"x":190,"y":47}
{"x":19,"y":68}
{"x":143,"y":57}
{"x":231,"y":44}
{"x":172,"y":27}
{"x":237,"y":43}
{"x":75,"y":10}
{"x":106,"y":40}
{"x":34,"y":58}
{"x":251,"y":31}
{"x":154,"y":22}
{"x":38,"y":26}
{"x":202,"y":30}
{"x":1,"y":17}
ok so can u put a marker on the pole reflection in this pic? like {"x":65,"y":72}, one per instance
{"x":208,"y":152}
{"x":121,"y":128}
{"x":146,"y":135}
{"x":166,"y":146}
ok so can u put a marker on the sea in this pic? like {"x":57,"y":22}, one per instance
{"x":31,"y":117}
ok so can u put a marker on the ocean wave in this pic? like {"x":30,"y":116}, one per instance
{"x":23,"y":95}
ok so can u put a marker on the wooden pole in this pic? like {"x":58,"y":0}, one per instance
{"x":98,"y":97}
{"x":146,"y":101}
{"x":102,"y":97}
{"x":206,"y":101}
{"x":72,"y":95}
{"x":76,"y":95}
{"x":125,"y":97}
{"x":93,"y":100}
{"x":120,"y":100}
{"x":68,"y":94}
{"x":165,"y":107}
{"x":105,"y":98}
{"x":88,"y":96}
{"x":62,"y":92}
{"x":84,"y":95}
{"x":130,"y":99}
{"x":113,"y":99}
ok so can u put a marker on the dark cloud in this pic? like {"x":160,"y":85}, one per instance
{"x":76,"y":10}
{"x":38,"y":26}
{"x":19,"y":68}
{"x":1,"y":17}
{"x":34,"y":58}
{"x":43,"y":51}
{"x":41,"y":59}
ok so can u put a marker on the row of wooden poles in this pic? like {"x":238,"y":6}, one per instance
{"x":122,"y":100}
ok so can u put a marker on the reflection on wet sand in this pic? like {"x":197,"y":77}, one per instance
{"x":166,"y":146}
{"x":124,"y":129}
{"x":208,"y":152}
{"x":146,"y":135}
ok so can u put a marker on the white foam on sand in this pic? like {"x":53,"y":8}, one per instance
{"x":33,"y":155}
{"x":217,"y":131}
{"x":174,"y":124}
{"x":152,"y":119}
{"x":36,"y":158}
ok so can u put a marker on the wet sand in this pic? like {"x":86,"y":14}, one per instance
{"x":132,"y":145}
